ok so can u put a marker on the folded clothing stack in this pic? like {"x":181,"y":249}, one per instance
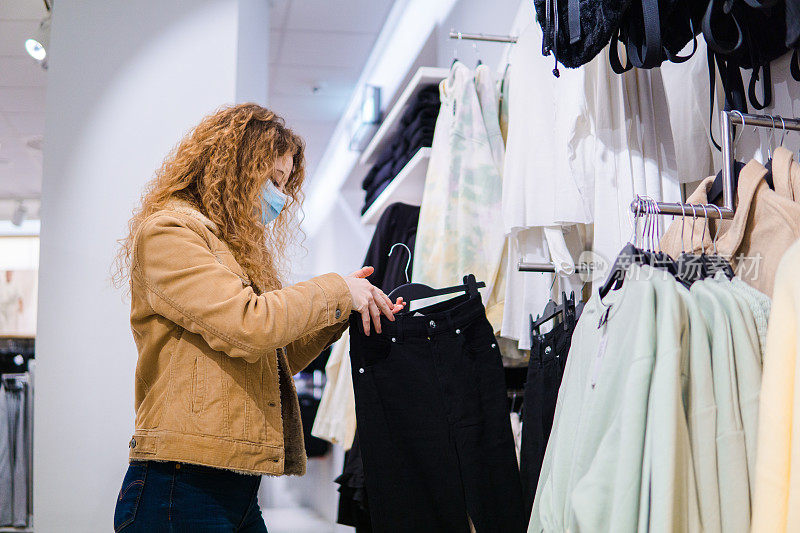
{"x":416,"y":131}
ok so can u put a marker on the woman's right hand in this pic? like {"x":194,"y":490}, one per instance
{"x":369,"y":300}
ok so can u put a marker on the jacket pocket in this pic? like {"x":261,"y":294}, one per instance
{"x":199,"y":390}
{"x":129,"y":495}
{"x":199,"y":378}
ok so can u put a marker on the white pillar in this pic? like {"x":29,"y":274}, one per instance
{"x":126,"y":81}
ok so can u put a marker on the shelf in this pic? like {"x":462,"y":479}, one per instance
{"x":406,"y":187}
{"x":422,"y":78}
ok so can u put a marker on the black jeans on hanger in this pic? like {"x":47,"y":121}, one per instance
{"x":433,"y":423}
{"x":545,"y":369}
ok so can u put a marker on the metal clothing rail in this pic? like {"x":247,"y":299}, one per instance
{"x":482,"y":37}
{"x":727,"y":121}
{"x":580,"y":268}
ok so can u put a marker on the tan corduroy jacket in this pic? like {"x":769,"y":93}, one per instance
{"x":765,"y":225}
{"x":214,"y":377}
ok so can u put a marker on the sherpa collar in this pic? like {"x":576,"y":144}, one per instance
{"x":187,"y":208}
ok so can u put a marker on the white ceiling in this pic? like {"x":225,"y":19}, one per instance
{"x":22,"y":91}
{"x":318,"y":49}
{"x":322,"y":45}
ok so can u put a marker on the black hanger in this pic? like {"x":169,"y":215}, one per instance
{"x":628,"y":256}
{"x":715,"y":193}
{"x":565,"y":309}
{"x":417,"y":291}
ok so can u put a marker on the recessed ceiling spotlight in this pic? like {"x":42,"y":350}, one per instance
{"x":37,"y":45}
{"x":319,"y":87}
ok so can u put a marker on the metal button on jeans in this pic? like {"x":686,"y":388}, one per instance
{"x":360,"y":370}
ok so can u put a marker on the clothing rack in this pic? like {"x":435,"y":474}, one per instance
{"x":580,"y":268}
{"x":728,"y":119}
{"x":24,"y":380}
{"x":482,"y":37}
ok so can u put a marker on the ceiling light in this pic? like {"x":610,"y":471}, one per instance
{"x":38,"y":43}
{"x":20,"y":212}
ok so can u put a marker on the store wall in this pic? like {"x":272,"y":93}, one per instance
{"x":126,"y":81}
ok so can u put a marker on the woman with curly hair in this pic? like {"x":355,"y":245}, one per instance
{"x":218,"y":335}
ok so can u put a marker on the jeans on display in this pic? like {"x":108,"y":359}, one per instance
{"x":433,"y":423}
{"x":13,"y":455}
{"x":545,"y":369}
{"x":171,"y":497}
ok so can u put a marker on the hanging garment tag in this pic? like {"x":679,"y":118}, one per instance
{"x":598,"y":359}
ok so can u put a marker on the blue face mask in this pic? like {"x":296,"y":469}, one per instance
{"x":272,"y":203}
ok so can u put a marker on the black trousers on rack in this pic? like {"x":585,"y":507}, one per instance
{"x":545,"y":369}
{"x":433,"y":423}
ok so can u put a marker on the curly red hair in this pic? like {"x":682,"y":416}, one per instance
{"x":222,"y":167}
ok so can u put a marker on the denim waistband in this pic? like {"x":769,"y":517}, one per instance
{"x":440,"y":318}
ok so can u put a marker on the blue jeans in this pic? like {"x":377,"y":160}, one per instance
{"x":161,"y":497}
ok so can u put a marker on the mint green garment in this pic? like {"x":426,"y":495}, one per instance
{"x":701,"y":414}
{"x":731,"y":449}
{"x":760,"y":305}
{"x":592,"y":471}
{"x":747,"y":358}
{"x":668,"y":497}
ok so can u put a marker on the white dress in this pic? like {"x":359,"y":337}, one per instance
{"x":623,"y":147}
{"x":580,"y":148}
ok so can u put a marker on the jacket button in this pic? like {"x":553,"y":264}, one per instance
{"x":338,"y":314}
{"x":272,"y":404}
{"x":132,"y":443}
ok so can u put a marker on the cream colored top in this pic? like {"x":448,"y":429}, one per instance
{"x":777,"y":493}
{"x":336,"y":417}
